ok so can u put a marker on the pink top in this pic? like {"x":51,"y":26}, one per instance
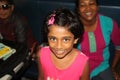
{"x":73,"y":72}
{"x":95,"y":44}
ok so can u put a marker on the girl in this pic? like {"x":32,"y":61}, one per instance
{"x":60,"y":60}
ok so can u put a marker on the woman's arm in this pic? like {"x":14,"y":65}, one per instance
{"x":86,"y":72}
{"x":115,"y":37}
{"x":114,"y":64}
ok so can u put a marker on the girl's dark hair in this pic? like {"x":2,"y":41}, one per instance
{"x":11,"y":2}
{"x":66,"y":18}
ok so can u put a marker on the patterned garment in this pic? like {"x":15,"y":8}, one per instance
{"x":73,"y":72}
{"x":17,"y":29}
{"x":96,"y":44}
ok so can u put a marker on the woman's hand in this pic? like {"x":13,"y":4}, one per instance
{"x":34,"y":50}
{"x":116,"y":74}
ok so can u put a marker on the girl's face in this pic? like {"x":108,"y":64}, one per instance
{"x":60,"y":40}
{"x":5,"y":10}
{"x":88,"y":9}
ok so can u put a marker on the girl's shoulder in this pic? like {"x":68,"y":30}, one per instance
{"x":44,"y":49}
{"x":82,"y":55}
{"x":44,"y":52}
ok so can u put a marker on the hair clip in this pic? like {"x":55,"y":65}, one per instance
{"x":51,"y":20}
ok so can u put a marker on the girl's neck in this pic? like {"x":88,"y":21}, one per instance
{"x":66,"y":61}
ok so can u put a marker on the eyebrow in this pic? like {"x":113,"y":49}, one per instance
{"x":67,"y":37}
{"x":63,"y":37}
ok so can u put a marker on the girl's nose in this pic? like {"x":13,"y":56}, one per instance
{"x":59,"y":44}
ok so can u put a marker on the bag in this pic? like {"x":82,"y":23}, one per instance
{"x":16,"y":63}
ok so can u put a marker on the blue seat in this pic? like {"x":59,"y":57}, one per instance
{"x":32,"y":71}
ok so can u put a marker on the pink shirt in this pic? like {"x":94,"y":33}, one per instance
{"x":96,"y":44}
{"x":73,"y":72}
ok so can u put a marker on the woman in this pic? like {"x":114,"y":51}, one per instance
{"x":14,"y":27}
{"x":99,"y":31}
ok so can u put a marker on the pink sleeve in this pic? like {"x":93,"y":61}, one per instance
{"x":115,"y":36}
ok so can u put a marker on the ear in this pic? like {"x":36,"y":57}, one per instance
{"x":76,"y":40}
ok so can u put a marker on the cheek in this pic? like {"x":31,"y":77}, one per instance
{"x":95,"y":8}
{"x":62,"y":45}
{"x":81,"y":10}
{"x":70,"y":45}
{"x":51,"y":44}
{"x":5,"y":15}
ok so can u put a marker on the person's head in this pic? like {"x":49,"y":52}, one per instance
{"x":87,"y":9}
{"x":6,"y":8}
{"x":63,"y":30}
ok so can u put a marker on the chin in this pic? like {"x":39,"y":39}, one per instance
{"x":60,"y":56}
{"x":3,"y":17}
{"x":89,"y":19}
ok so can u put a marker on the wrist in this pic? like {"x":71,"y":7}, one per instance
{"x":113,"y":68}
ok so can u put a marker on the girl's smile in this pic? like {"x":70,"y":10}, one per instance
{"x":60,"y":40}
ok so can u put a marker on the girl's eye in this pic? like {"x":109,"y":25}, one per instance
{"x":52,"y":38}
{"x":66,"y":40}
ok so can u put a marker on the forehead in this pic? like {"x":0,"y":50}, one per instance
{"x":87,"y":0}
{"x":58,"y":31}
{"x":3,"y":2}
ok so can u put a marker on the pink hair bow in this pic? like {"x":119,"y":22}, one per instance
{"x":51,"y":20}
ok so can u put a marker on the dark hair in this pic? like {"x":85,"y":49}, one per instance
{"x":11,"y":2}
{"x":66,"y":18}
{"x":77,"y":3}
